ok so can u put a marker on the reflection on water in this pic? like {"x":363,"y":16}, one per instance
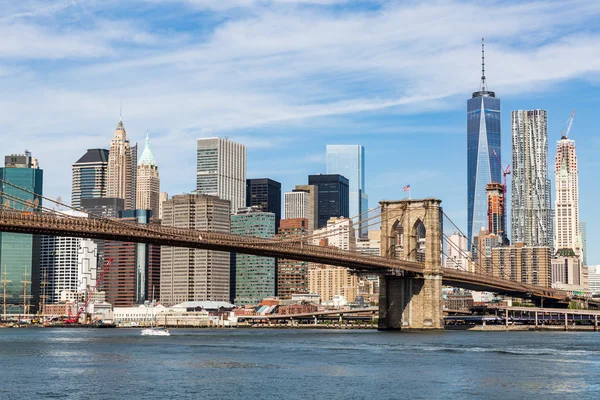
{"x":258,"y":364}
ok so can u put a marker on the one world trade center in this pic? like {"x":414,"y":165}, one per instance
{"x":483,"y":152}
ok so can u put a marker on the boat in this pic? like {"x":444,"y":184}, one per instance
{"x":154,"y":330}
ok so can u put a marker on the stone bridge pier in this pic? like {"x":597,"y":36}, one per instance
{"x":412,"y":230}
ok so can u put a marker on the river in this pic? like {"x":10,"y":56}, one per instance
{"x":297,"y":364}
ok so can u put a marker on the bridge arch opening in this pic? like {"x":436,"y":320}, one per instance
{"x":396,"y":249}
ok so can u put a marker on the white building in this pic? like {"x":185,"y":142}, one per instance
{"x":221,"y":170}
{"x":67,"y":264}
{"x":594,"y":279}
{"x":371,"y":245}
{"x":143,"y":315}
{"x":297,"y":205}
{"x":339,"y":233}
{"x":458,"y":258}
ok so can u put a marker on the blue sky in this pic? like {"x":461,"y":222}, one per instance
{"x":287,"y":77}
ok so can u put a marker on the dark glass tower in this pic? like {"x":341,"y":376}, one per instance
{"x":89,"y":176}
{"x":266,"y":194}
{"x":483,"y":152}
{"x":334,"y":196}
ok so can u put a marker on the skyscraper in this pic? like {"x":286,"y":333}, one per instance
{"x":148,"y":182}
{"x":349,"y":161}
{"x":531,"y":218}
{"x":313,"y":191}
{"x":266,"y":194}
{"x":254,"y":275}
{"x":20,"y":253}
{"x":89,"y":176}
{"x":496,"y":211}
{"x":333,"y":198}
{"x":483,"y":140}
{"x":221,"y":170}
{"x":135,"y":271}
{"x":121,"y":170}
{"x":193,"y":274}
{"x":297,"y":205}
{"x":566,"y":201}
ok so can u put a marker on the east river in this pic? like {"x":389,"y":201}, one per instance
{"x":297,"y":364}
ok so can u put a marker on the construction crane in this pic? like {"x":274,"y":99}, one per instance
{"x":75,"y":319}
{"x":569,"y":123}
{"x":505,"y":171}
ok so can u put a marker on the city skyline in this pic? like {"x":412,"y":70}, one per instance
{"x":425,"y":129}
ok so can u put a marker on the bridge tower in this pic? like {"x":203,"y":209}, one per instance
{"x":412,"y":230}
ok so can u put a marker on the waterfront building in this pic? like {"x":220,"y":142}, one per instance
{"x":67,"y":264}
{"x":333,"y":197}
{"x":531,"y":218}
{"x":329,"y":281}
{"x":148,"y":182}
{"x":483,"y":146}
{"x":496,"y":211}
{"x":524,"y":264}
{"x":135,"y":271}
{"x":313,"y":207}
{"x":20,"y":253}
{"x":349,"y":161}
{"x":254,"y":275}
{"x":297,"y":204}
{"x":221,"y":170}
{"x":292,"y":275}
{"x":194,"y":274}
{"x":568,"y":271}
{"x":338,"y":233}
{"x":266,"y":194}
{"x":121,"y":170}
{"x":164,"y":196}
{"x":457,"y":253}
{"x":89,"y":176}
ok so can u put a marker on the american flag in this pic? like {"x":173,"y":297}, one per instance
{"x":406,"y":188}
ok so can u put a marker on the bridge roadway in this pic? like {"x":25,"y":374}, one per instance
{"x":94,"y":228}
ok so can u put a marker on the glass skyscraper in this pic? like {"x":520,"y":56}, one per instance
{"x":20,"y":253}
{"x":483,"y":166}
{"x":89,"y":176}
{"x":349,"y":161}
{"x":333,"y":199}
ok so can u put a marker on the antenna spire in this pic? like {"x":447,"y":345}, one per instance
{"x":120,"y":109}
{"x":482,"y":64}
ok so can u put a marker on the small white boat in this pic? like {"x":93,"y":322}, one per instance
{"x":155,"y":332}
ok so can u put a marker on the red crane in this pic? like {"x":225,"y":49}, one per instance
{"x":75,"y":319}
{"x":505,"y":171}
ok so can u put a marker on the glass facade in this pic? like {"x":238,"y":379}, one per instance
{"x":483,"y":139}
{"x":89,"y":176}
{"x":334,"y":197}
{"x":254,"y":275}
{"x":349,"y":161}
{"x":20,"y":253}
{"x":265,"y":194}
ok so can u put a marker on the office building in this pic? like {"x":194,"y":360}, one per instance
{"x":329,"y":281}
{"x":292,"y":275}
{"x":148,"y":181}
{"x":371,"y":245}
{"x":20,"y":253}
{"x":221,"y":170}
{"x":104,"y":207}
{"x":496,"y":211}
{"x":568,"y":271}
{"x":134,"y":274}
{"x":338,"y":233}
{"x":89,"y":176}
{"x":333,"y":197}
{"x":524,"y":264}
{"x":594,"y":280}
{"x":483,"y":152}
{"x":531,"y":213}
{"x":457,"y":253}
{"x":297,"y":204}
{"x":349,"y":161}
{"x":567,"y":235}
{"x":67,"y":264}
{"x":266,"y":194}
{"x":254,"y":275}
{"x":194,"y":274}
{"x":122,"y":168}
{"x":164,"y":196}
{"x":313,"y":208}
